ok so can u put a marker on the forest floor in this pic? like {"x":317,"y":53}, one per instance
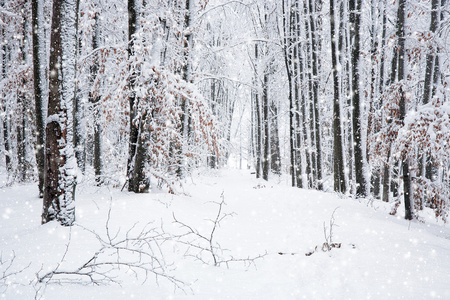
{"x":267,"y":245}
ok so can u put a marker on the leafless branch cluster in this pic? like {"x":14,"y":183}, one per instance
{"x":137,"y":252}
{"x":328,"y":245}
{"x":206,"y":243}
{"x":8,"y":270}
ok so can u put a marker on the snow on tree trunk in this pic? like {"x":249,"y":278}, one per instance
{"x":402,"y":105}
{"x":60,"y":164}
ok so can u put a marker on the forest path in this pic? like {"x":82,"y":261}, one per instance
{"x":381,"y":256}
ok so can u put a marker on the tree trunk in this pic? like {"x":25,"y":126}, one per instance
{"x":431,"y":70}
{"x":79,"y":139}
{"x":299,"y":99}
{"x":21,"y":138}
{"x":338,"y":155}
{"x":38,"y":76}
{"x":141,"y":184}
{"x":265,"y":102}
{"x":275,"y":156}
{"x":317,"y":134}
{"x":287,"y":61}
{"x":430,"y":55}
{"x":94,"y":98}
{"x":402,"y":104}
{"x":6,"y":118}
{"x":185,"y":117}
{"x":258,"y":122}
{"x":355,"y":21}
{"x":59,"y":187}
{"x":134,"y":130}
{"x":312,"y":174}
{"x":385,"y":167}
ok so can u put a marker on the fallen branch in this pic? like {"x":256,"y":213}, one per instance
{"x":205,"y":243}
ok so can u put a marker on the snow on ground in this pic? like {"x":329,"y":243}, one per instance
{"x":381,"y":256}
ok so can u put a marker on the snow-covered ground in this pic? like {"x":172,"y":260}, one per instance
{"x":381,"y":256}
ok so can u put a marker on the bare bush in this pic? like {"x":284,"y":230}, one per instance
{"x":138,"y":252}
{"x":8,"y":269}
{"x":206,"y":243}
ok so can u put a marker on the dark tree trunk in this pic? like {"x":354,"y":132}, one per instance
{"x":258,"y":122}
{"x":375,"y":171}
{"x":287,"y":61}
{"x":275,"y":156}
{"x":402,"y":104}
{"x":431,"y":70}
{"x":59,"y":186}
{"x":314,"y":45}
{"x":343,"y":45}
{"x":338,"y":155}
{"x":140,"y":183}
{"x":212,"y":160}
{"x":79,"y":139}
{"x":385,"y":167}
{"x":299,"y":100}
{"x":185,"y":117}
{"x":386,"y":181}
{"x":94,"y":98}
{"x":265,"y":102}
{"x":38,"y":95}
{"x":6,"y":118}
{"x":21,"y":139}
{"x":134,"y":130}
{"x":431,"y":55}
{"x":355,"y":21}
{"x":6,"y":142}
{"x":313,"y":171}
{"x":431,"y":74}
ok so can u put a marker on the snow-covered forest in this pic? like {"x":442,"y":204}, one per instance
{"x":243,"y":149}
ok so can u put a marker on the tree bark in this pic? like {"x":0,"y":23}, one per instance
{"x":338,"y":155}
{"x":141,"y":184}
{"x":79,"y":139}
{"x":430,"y":55}
{"x":258,"y":121}
{"x":6,"y":118}
{"x":94,"y":98}
{"x":299,"y":99}
{"x":38,"y":94}
{"x":309,"y":91}
{"x":266,"y":124}
{"x":355,"y":23}
{"x":317,"y":134}
{"x":134,"y":130}
{"x":402,"y":104}
{"x":59,"y":186}
{"x":20,"y":132}
{"x":287,"y":61}
{"x":186,"y":69}
{"x":275,"y":156}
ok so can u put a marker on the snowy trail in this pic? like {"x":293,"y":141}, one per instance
{"x":382,"y":256}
